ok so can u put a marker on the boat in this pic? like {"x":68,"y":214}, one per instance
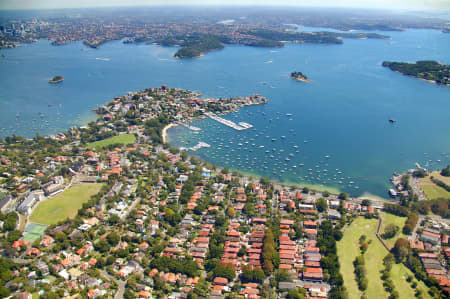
{"x":392,"y":120}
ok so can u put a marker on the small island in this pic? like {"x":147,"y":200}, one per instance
{"x":300,"y":77}
{"x":56,"y":79}
{"x":428,"y":70}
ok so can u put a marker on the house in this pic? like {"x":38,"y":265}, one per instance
{"x":24,"y":295}
{"x":47,"y":240}
{"x":334,"y":215}
{"x":221,"y":281}
{"x":4,"y":203}
{"x":29,"y":202}
{"x":53,"y":187}
{"x":430,"y":237}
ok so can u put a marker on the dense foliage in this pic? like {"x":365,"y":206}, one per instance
{"x":185,"y":266}
{"x":446,"y":171}
{"x":410,"y":223}
{"x":269,"y":253}
{"x":197,"y":47}
{"x":326,"y":241}
{"x":425,"y":69}
{"x":395,"y":209}
{"x":389,"y":231}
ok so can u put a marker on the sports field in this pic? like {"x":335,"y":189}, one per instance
{"x":34,"y":231}
{"x":65,"y":204}
{"x":122,"y":139}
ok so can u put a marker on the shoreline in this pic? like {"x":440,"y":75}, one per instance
{"x":164,"y":131}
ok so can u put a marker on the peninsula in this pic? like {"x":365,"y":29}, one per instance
{"x":428,"y":70}
{"x":300,"y":77}
{"x":196,"y":47}
{"x":56,"y":79}
{"x":112,"y":203}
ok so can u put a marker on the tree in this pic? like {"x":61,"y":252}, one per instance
{"x":200,"y":290}
{"x":321,"y":204}
{"x":252,"y":274}
{"x":231,"y":212}
{"x":113,"y":238}
{"x":366,"y":202}
{"x":102,"y":245}
{"x":401,"y":249}
{"x":389,"y":231}
{"x":13,"y":236}
{"x":299,"y":293}
{"x":343,"y":196}
{"x":268,"y":252}
{"x":420,"y":173}
{"x":446,"y":171}
{"x":224,"y":270}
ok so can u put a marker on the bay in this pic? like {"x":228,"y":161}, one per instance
{"x":343,"y":114}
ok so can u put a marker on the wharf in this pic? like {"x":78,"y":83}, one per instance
{"x":196,"y":147}
{"x":241,"y":126}
{"x":192,"y":128}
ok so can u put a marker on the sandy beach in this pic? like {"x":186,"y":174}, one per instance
{"x":164,"y":131}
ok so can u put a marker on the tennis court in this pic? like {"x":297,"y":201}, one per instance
{"x":34,"y":231}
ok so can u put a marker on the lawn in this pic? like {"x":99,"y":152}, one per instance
{"x":123,"y":139}
{"x":65,"y":204}
{"x":434,"y":191}
{"x":392,"y":219}
{"x":348,"y":249}
{"x":431,"y":190}
{"x":399,"y":273}
{"x":437,"y":175}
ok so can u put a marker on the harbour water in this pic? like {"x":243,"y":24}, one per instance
{"x":337,"y":133}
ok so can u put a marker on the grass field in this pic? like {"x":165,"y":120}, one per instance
{"x":392,"y":219}
{"x":123,"y":139}
{"x":431,"y":190}
{"x":399,"y":273}
{"x":348,"y":249}
{"x":434,"y":192}
{"x":65,"y":204}
{"x":437,"y":175}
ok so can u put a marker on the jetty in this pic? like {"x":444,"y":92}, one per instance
{"x":192,"y":128}
{"x":196,"y":147}
{"x":241,"y":126}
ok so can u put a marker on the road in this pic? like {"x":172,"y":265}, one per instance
{"x":414,"y":183}
{"x":121,"y":284}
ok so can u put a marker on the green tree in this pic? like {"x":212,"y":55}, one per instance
{"x":113,"y":238}
{"x":321,"y":204}
{"x":401,"y":249}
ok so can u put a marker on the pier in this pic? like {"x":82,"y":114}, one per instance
{"x":196,"y":147}
{"x":192,"y":128}
{"x":241,"y":126}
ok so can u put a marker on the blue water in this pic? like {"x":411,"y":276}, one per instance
{"x":342,"y":114}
